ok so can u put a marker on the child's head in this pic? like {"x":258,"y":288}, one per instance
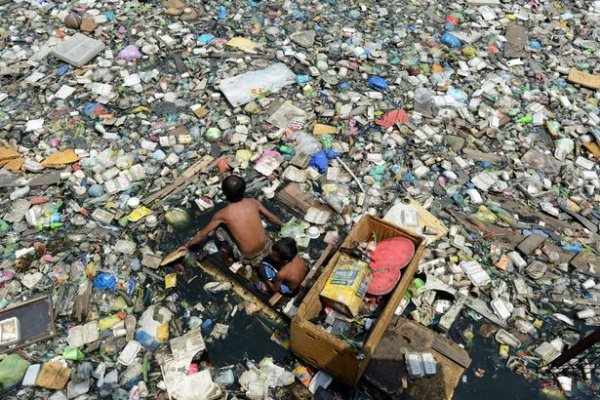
{"x":234,"y":187}
{"x":284,"y":250}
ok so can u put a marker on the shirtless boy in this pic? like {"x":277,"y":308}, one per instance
{"x":284,"y":270}
{"x":242,"y":219}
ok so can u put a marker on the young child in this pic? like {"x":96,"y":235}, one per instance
{"x":284,"y":270}
{"x":242,"y":219}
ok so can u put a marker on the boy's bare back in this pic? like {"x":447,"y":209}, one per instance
{"x":293,"y":273}
{"x":243,"y":221}
{"x":241,"y":217}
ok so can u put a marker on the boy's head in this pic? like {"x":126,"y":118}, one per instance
{"x":284,"y":250}
{"x":234,"y":187}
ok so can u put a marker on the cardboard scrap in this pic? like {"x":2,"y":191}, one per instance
{"x":415,"y":218}
{"x":321,"y":129}
{"x":7,"y":153}
{"x":61,"y":158}
{"x":516,"y":37}
{"x":53,"y":376}
{"x":589,"y":81}
{"x":284,"y":114}
{"x":593,"y":148}
{"x":15,"y":164}
{"x":241,"y":43}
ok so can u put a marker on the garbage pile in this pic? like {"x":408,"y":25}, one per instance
{"x":474,"y":123}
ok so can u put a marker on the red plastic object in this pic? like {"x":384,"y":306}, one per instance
{"x":392,"y":117}
{"x":387,"y":261}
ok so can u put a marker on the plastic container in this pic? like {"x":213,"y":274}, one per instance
{"x":429,"y":364}
{"x":10,"y":331}
{"x":414,"y":364}
{"x":129,"y":353}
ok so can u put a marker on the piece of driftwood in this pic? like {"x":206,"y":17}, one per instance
{"x":189,"y":175}
{"x":297,"y":200}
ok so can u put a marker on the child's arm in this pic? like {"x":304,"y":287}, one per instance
{"x":201,"y":235}
{"x":275,"y":286}
{"x":270,"y":216}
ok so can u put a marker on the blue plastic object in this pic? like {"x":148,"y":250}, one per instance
{"x":205,"y":38}
{"x":377,"y":82}
{"x":319,"y":161}
{"x":105,"y":281}
{"x":206,"y":325}
{"x":301,"y":79}
{"x":147,"y":341}
{"x":222,"y":13}
{"x":534,"y":44}
{"x":572,"y":247}
{"x":89,"y":108}
{"x":63,"y":69}
{"x":450,"y":40}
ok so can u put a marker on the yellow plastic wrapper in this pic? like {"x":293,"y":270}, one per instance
{"x":504,"y":350}
{"x":170,"y":281}
{"x":485,"y":214}
{"x":241,"y":43}
{"x":243,"y":155}
{"x":162,"y":333}
{"x":321,"y":129}
{"x":108,"y":322}
{"x":139,"y":213}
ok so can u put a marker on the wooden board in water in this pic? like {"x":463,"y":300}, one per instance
{"x":242,"y":287}
{"x":36,"y":319}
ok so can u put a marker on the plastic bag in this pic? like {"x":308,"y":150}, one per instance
{"x":105,"y":281}
{"x":12,"y":370}
{"x":337,"y":196}
{"x":129,"y":53}
{"x":320,"y":159}
{"x":177,"y":218}
{"x":292,"y":229}
{"x":306,"y":143}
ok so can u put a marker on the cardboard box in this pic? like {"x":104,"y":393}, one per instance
{"x":347,"y":285}
{"x":328,"y":352}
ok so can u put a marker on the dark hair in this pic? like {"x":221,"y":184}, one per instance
{"x":286,"y":249}
{"x":234,"y":187}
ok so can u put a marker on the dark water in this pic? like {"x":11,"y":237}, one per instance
{"x":250,"y":339}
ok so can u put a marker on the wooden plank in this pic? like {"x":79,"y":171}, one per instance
{"x":275,"y":298}
{"x":298,"y":200}
{"x":318,"y":264}
{"x":452,"y":351}
{"x":37,"y":321}
{"x":203,"y":165}
{"x":589,"y":81}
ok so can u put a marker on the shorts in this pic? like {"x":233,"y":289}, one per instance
{"x":255,"y":260}
{"x":271,"y":273}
